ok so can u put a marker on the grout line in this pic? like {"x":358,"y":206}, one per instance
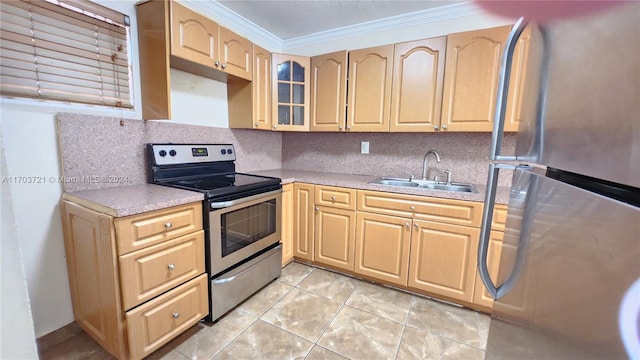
{"x":395,"y":354}
{"x":235,"y":337}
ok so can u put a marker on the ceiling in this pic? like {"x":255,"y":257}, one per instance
{"x":289,"y":19}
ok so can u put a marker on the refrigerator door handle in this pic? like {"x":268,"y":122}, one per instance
{"x":497,"y":292}
{"x":503,"y":91}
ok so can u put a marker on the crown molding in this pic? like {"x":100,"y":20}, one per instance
{"x":236,"y":23}
{"x":416,"y":18}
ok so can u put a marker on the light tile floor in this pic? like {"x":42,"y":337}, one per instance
{"x":310,"y":313}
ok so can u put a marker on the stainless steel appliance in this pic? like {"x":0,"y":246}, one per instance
{"x":241,"y":217}
{"x":568,"y":285}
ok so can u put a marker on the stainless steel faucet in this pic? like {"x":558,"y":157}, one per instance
{"x":424,"y":162}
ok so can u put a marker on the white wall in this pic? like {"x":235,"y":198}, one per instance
{"x":17,"y":338}
{"x":31,"y":149}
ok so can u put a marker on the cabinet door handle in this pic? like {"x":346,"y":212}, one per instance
{"x":406,"y":225}
{"x":217,"y":63}
{"x":171,"y":266}
{"x":275,"y":126}
{"x":168,"y":225}
{"x":444,"y":127}
{"x":348,"y":127}
{"x":340,"y":127}
{"x":175,"y":315}
{"x":435,"y":127}
{"x":317,"y":208}
{"x":224,"y":66}
{"x":257,"y":124}
{"x":412,"y":207}
{"x":416,"y":226}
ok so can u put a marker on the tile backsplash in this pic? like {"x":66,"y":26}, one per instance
{"x":95,"y":148}
{"x":391,"y":154}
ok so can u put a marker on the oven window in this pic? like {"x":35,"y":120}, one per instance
{"x":245,"y":226}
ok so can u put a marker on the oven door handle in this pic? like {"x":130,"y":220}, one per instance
{"x":224,"y":204}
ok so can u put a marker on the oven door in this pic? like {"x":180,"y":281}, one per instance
{"x":241,"y":228}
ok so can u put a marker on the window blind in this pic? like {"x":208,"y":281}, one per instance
{"x":67,"y":50}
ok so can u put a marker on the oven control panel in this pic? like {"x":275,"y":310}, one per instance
{"x":173,"y":154}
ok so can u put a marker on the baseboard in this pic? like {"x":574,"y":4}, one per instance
{"x":58,"y":336}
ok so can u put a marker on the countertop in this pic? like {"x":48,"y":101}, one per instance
{"x":361,"y":182}
{"x":133,"y":199}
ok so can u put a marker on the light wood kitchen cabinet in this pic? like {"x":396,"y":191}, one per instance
{"x":335,"y":226}
{"x":290,"y":89}
{"x":382,"y":247}
{"x":199,"y":39}
{"x":443,"y":259}
{"x":471,"y":79}
{"x":449,"y":211}
{"x":250,"y":102}
{"x":287,"y":224}
{"x":418,"y":76}
{"x":522,"y":72}
{"x":334,"y":238}
{"x":303,"y":214}
{"x":480,"y":294}
{"x":369,"y":89}
{"x":328,"y":91}
{"x":173,"y":36}
{"x":136,"y":282}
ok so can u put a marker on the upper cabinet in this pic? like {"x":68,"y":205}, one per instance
{"x":328,"y":91}
{"x":471,"y":79}
{"x":250,"y":102}
{"x":522,"y":85}
{"x":369,"y":94}
{"x":418,"y":73}
{"x":172,"y":36}
{"x":290,"y":77}
{"x":200,"y":40}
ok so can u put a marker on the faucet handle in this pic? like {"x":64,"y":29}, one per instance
{"x":410,"y":175}
{"x":448,"y":172}
{"x":436,"y":178}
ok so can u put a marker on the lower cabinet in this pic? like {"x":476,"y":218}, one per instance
{"x":422,"y":244}
{"x":443,"y":259}
{"x":287,"y":224}
{"x":303,"y":195}
{"x":335,"y":226}
{"x":382,"y":247}
{"x":335,"y":231}
{"x":138,"y":281}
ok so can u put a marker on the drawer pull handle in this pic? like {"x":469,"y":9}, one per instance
{"x":333,"y":198}
{"x":168,"y":225}
{"x":171,"y":266}
{"x":412,"y":207}
{"x":175,"y":315}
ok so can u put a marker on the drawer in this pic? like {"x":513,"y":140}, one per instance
{"x":155,"y":323}
{"x":155,"y":269}
{"x":335,"y":197}
{"x":457,"y":212}
{"x":142,"y":230}
{"x":499,"y":217}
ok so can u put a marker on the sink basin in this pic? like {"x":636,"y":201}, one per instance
{"x":424,"y":184}
{"x":450,"y":187}
{"x":392,"y":182}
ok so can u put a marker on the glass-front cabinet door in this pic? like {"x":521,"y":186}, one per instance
{"x":290,"y":92}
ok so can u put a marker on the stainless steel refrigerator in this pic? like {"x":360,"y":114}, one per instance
{"x":568,"y":284}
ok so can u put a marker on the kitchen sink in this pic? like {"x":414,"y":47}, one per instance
{"x":424,"y":184}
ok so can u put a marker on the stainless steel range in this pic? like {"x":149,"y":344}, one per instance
{"x":241,"y":217}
